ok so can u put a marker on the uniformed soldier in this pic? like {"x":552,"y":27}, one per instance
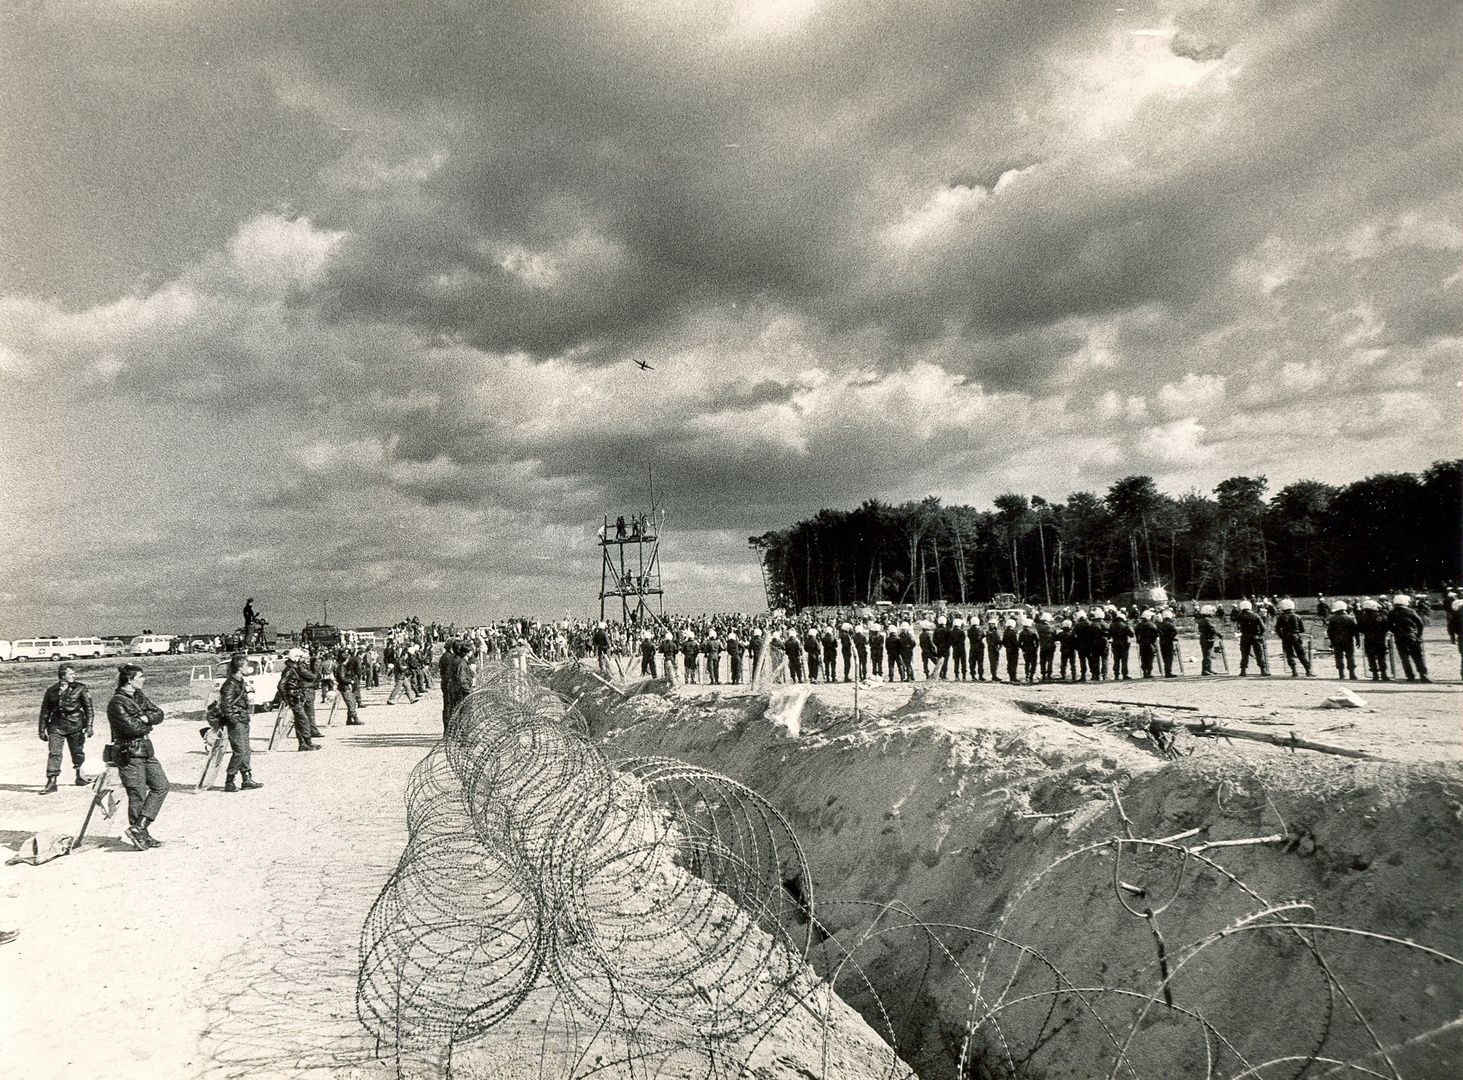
{"x":967,"y":649}
{"x":1406,"y":627}
{"x":1030,"y":644}
{"x":941,"y":639}
{"x":1373,"y":627}
{"x":1046,"y":636}
{"x":893,"y":669}
{"x":928,"y":656}
{"x":647,"y":654}
{"x":1122,"y":635}
{"x":861,"y":649}
{"x":65,"y":722}
{"x":1252,"y":629}
{"x":1067,"y":643}
{"x":602,"y":646}
{"x":794,"y":650}
{"x":690,"y":655}
{"x":234,"y":713}
{"x":975,"y":642}
{"x":830,"y":654}
{"x":712,"y":650}
{"x":1168,"y":642}
{"x":906,"y":652}
{"x":297,"y":692}
{"x":876,"y":649}
{"x":845,"y":646}
{"x":1147,"y":634}
{"x":1097,"y":663}
{"x":1208,"y":635}
{"x":1343,"y":632}
{"x":1011,"y":643}
{"x":735,"y":650}
{"x":993,"y":638}
{"x":1290,"y":628}
{"x":668,"y":653}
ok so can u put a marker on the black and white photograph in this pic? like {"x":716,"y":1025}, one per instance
{"x":723,"y":457}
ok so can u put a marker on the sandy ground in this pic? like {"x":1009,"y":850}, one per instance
{"x":229,"y":951}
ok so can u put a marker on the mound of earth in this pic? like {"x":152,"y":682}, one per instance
{"x":1007,"y":894}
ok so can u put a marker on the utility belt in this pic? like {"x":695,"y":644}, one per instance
{"x":123,"y":753}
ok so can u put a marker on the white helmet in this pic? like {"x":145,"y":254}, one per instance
{"x":940,"y":619}
{"x":1370,"y":605}
{"x":1245,"y":605}
{"x":1097,"y":613}
{"x":1066,"y":624}
{"x":1046,"y":616}
{"x":1287,"y":605}
{"x":1402,"y":600}
{"x":1025,"y":621}
{"x":1339,"y":605}
{"x":295,"y":654}
{"x":1010,"y":623}
{"x":1207,"y":609}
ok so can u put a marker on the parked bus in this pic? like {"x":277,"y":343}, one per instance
{"x":151,"y":644}
{"x":77,"y":648}
{"x":47,"y":648}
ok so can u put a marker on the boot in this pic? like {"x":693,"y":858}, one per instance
{"x":250,"y":784}
{"x":147,"y":838}
{"x":50,"y":788}
{"x":232,"y":783}
{"x":82,"y":781}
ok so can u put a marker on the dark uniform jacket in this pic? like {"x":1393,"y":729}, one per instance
{"x":132,"y":718}
{"x":66,"y":707}
{"x":233,"y":701}
{"x":1121,"y":633}
{"x":1341,"y":629}
{"x":1146,"y":633}
{"x":1289,"y":625}
{"x":1405,"y":624}
{"x":297,"y":683}
{"x":1250,"y":625}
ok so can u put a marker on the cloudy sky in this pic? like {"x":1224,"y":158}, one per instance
{"x":340,"y":300}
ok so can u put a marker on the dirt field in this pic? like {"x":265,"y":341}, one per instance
{"x":231,"y":951}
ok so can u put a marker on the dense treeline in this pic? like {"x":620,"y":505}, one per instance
{"x":1389,"y":531}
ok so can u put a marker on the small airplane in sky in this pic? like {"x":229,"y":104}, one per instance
{"x":644,"y":365}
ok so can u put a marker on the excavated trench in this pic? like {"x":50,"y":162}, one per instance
{"x":1002,"y":894}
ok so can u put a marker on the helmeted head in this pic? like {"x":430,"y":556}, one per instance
{"x":1339,"y":605}
{"x":1207,"y":609}
{"x":1066,"y":624}
{"x":939,"y":620}
{"x":1147,"y":614}
{"x":1401,"y":600}
{"x":1245,"y":605}
{"x":1167,"y":614}
{"x":1025,"y":621}
{"x":1010,"y":624}
{"x":295,"y":655}
{"x":1097,"y":613}
{"x":1081,"y":615}
{"x":1046,"y":616}
{"x":1370,"y":605}
{"x":1287,"y":605}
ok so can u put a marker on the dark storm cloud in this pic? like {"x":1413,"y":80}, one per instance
{"x":383,"y":268}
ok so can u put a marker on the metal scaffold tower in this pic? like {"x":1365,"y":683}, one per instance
{"x":630,"y":569}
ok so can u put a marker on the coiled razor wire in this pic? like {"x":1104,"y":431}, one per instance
{"x":617,"y":912}
{"x":653,"y":898}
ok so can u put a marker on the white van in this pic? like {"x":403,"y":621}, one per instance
{"x":151,"y":644}
{"x":113,"y":647}
{"x":78,"y":647}
{"x":46,"y":648}
{"x":6,"y":650}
